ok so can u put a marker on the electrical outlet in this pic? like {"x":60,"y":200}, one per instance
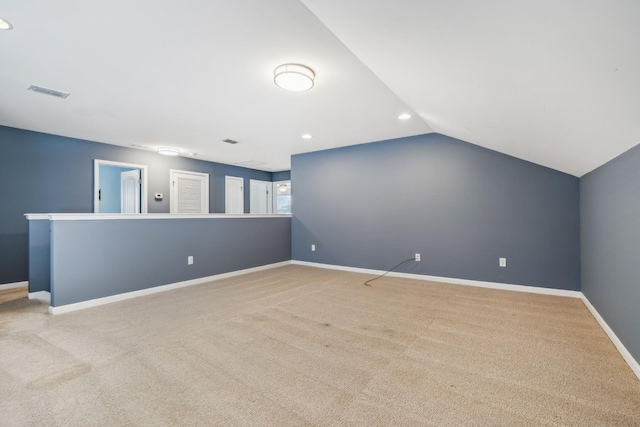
{"x":313,"y":248}
{"x":502,"y":262}
{"x":190,"y":260}
{"x":417,"y":258}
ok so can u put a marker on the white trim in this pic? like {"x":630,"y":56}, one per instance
{"x":121,"y":297}
{"x":96,"y":182}
{"x":633,"y":363}
{"x":14,"y":285}
{"x":40,"y":296}
{"x":99,"y":216}
{"x":36,"y":216}
{"x":451,"y":280}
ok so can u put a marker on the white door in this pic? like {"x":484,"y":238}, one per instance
{"x":130,"y":191}
{"x":233,"y":195}
{"x":260,"y":198}
{"x":189,"y":192}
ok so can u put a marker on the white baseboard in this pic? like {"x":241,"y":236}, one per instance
{"x":451,"y":280}
{"x":6,"y":286}
{"x":633,"y":363}
{"x":40,"y":296}
{"x":134,"y":294}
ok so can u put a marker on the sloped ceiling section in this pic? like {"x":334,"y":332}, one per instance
{"x":190,"y":74}
{"x":552,"y":82}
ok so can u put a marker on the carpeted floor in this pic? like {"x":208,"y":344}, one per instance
{"x":298,"y":346}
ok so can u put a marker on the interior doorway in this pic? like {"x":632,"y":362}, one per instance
{"x":119,"y":187}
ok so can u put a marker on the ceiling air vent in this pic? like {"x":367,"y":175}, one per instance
{"x":140,"y":147}
{"x":248,"y":163}
{"x":47,"y":91}
{"x":229,"y":141}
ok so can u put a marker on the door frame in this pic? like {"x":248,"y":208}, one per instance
{"x":96,"y":182}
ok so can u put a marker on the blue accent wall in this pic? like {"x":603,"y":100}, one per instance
{"x":610,"y":245}
{"x":47,"y":173}
{"x":281,"y":176}
{"x":39,"y":255}
{"x":459,"y":205}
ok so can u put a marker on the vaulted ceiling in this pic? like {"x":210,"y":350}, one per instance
{"x":552,"y":82}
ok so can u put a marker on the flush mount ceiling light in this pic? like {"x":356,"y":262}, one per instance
{"x":168,"y":151}
{"x":5,"y":25}
{"x":405,"y":116}
{"x":294,"y":77}
{"x":306,"y":136}
{"x":283,"y":188}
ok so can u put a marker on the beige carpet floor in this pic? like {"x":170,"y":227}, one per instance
{"x":302,"y":346}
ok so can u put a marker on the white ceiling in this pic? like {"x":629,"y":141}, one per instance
{"x":552,"y":82}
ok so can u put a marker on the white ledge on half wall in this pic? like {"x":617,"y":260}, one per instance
{"x":103,"y":216}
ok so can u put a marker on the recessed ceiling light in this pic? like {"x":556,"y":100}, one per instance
{"x":307,"y":136}
{"x":5,"y":25}
{"x":169,"y":151}
{"x":404,"y":116}
{"x":294,"y":77}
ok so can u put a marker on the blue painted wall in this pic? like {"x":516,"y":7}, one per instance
{"x":459,"y":205}
{"x":121,"y":256}
{"x":47,"y":173}
{"x":39,"y":255}
{"x":111,"y":188}
{"x":610,"y":245}
{"x":281,"y":176}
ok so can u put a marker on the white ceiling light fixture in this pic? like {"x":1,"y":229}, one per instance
{"x":294,"y":77}
{"x":169,"y":151}
{"x":404,"y":116}
{"x":307,"y":136}
{"x":5,"y":25}
{"x":283,"y":188}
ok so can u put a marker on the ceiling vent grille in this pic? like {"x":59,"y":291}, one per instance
{"x":230,"y":141}
{"x":248,"y":163}
{"x":140,"y":147}
{"x":47,"y":91}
